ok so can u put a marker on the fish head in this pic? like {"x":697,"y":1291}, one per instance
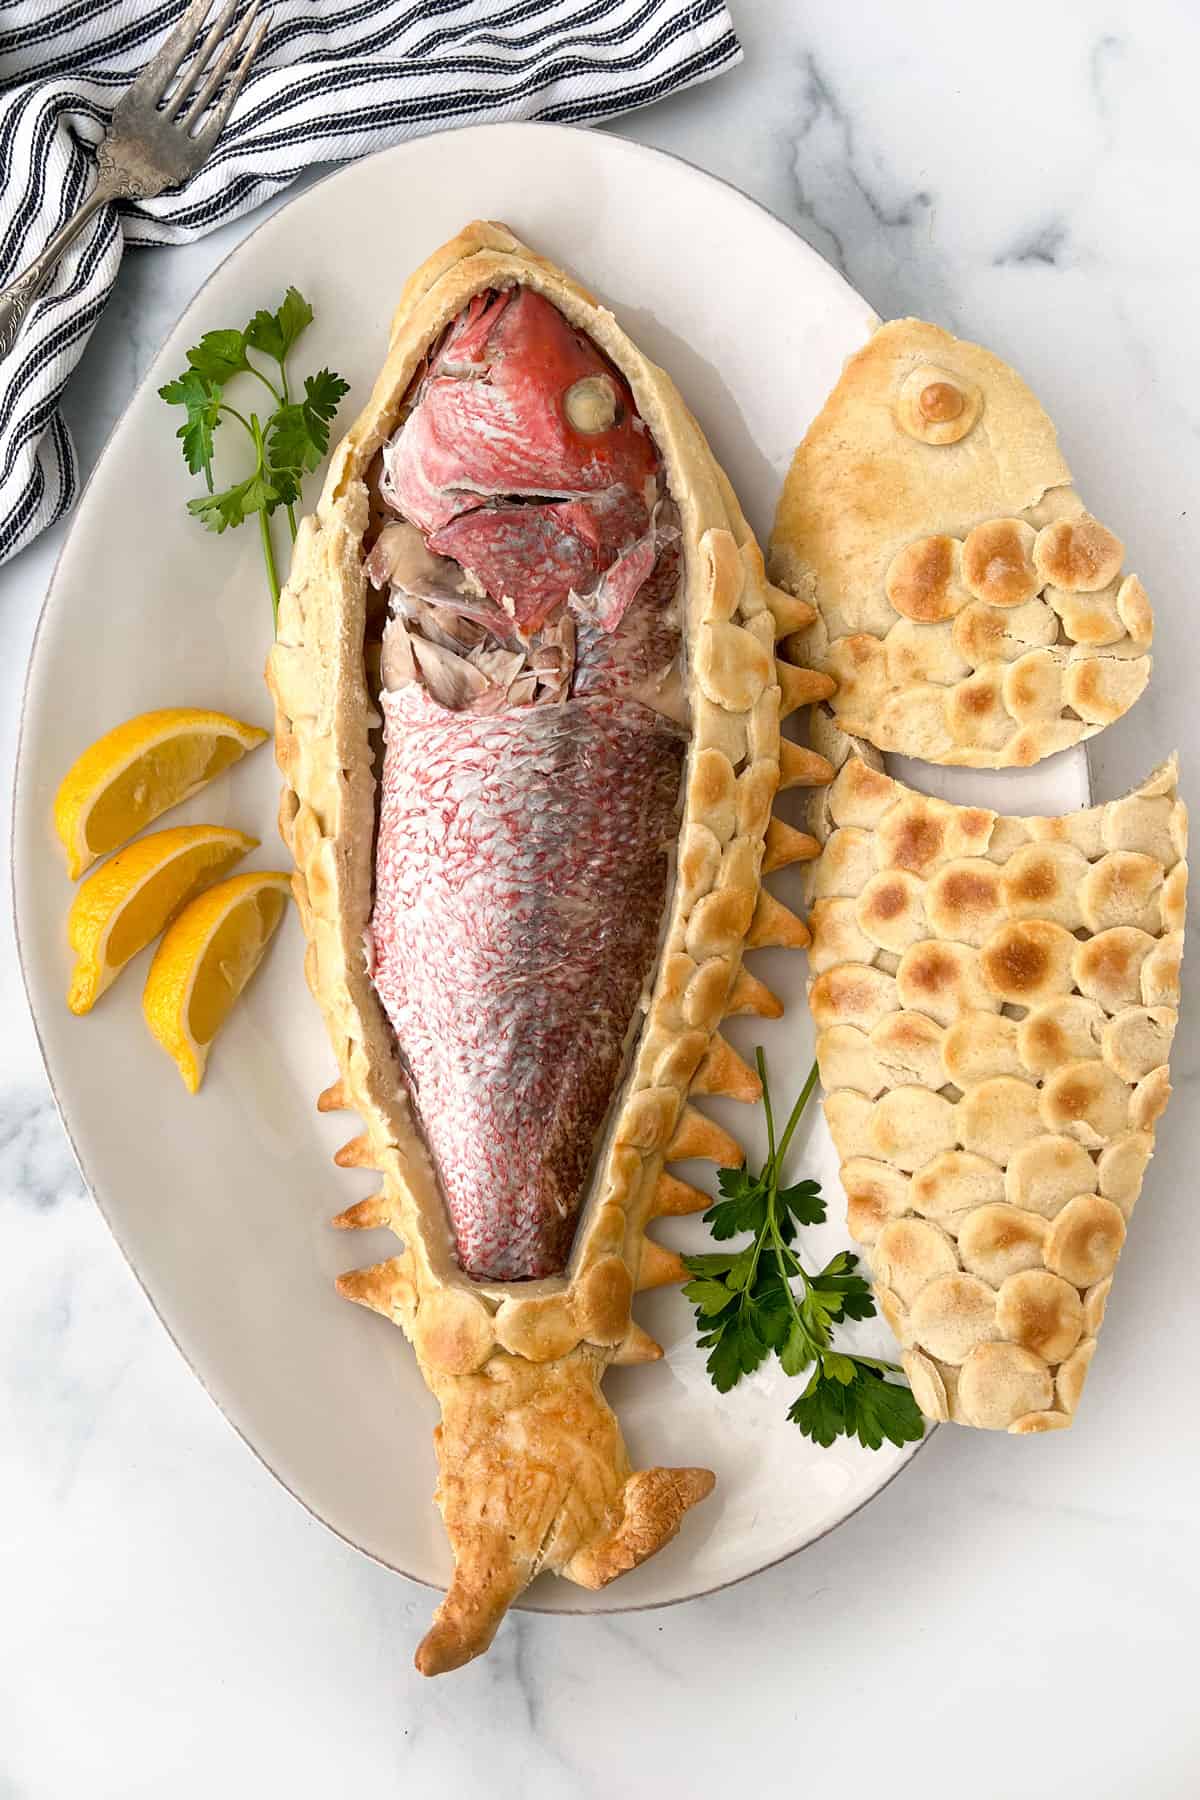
{"x":523,"y":456}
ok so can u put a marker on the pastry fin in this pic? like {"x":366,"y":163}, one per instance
{"x":799,"y":687}
{"x":385,"y":1287}
{"x":637,"y":1346}
{"x":366,"y":1215}
{"x":698,"y":1135}
{"x":356,"y":1154}
{"x":784,"y":844}
{"x":789,"y":611}
{"x":673,"y":1197}
{"x":724,"y":1072}
{"x":774,"y":927}
{"x":533,"y":1475}
{"x":659,"y":1267}
{"x":654,"y":1502}
{"x":750,"y":995}
{"x":799,"y":767}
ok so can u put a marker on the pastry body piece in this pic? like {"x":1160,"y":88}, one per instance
{"x":995,"y":1001}
{"x":971,"y":609}
{"x":522,"y":981}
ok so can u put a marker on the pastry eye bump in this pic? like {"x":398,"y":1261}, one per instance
{"x":941,"y":402}
{"x":935,"y":406}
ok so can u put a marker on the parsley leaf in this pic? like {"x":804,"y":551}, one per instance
{"x":803,"y":1202}
{"x":275,"y":333}
{"x":797,"y":1351}
{"x":749,"y":1306}
{"x":707,"y":1296}
{"x":773,"y":1311}
{"x":713,"y":1262}
{"x":216,"y":512}
{"x":288,"y":444}
{"x":737,"y":1350}
{"x":203,"y":404}
{"x":258,"y":493}
{"x":299,"y":435}
{"x":852,"y":1294}
{"x":322,"y":393}
{"x":862,"y":1404}
{"x":219,"y":356}
{"x":742,"y":1208}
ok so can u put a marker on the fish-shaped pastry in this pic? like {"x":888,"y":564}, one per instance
{"x":995,"y":1000}
{"x":528,"y":710}
{"x":971,"y":609}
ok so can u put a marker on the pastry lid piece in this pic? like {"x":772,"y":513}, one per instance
{"x":995,"y":1000}
{"x":971,"y":609}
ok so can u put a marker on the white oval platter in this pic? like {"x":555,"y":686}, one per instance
{"x":220,"y":1203}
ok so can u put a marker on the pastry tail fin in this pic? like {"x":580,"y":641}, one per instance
{"x":653,"y":1502}
{"x":534,"y":1475}
{"x":487,"y":1579}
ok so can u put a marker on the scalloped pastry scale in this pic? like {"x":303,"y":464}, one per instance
{"x":971,"y":609}
{"x":995,"y":1000}
{"x":533,"y":1473}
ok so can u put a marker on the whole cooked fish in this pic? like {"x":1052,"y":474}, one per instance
{"x":528,"y":711}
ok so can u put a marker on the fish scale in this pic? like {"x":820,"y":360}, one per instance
{"x":520,"y":881}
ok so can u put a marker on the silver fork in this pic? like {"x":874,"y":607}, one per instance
{"x":156,"y":137}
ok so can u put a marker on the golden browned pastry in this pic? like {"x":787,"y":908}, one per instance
{"x":528,"y":713}
{"x":995,"y":1000}
{"x":971,"y":609}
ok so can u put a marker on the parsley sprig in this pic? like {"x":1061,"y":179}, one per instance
{"x":760,"y":1300}
{"x":289,"y":442}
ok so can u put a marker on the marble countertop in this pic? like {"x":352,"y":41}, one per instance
{"x":1008,"y":1617}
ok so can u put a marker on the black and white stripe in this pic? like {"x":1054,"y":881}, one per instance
{"x":335,"y":79}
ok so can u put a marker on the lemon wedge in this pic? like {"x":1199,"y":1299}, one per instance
{"x":205,"y":960}
{"x":139,"y":769}
{"x":125,"y":904}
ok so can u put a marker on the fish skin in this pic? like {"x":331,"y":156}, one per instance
{"x":521,"y":868}
{"x":520,"y":880}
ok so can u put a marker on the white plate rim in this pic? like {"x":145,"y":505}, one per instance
{"x":619,"y":145}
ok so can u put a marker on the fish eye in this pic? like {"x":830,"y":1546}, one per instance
{"x":592,"y":405}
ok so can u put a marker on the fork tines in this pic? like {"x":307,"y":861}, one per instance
{"x":205,"y":71}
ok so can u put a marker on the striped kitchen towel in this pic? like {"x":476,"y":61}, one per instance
{"x":335,"y":79}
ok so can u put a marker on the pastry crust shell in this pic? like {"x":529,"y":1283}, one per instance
{"x":533,"y":1473}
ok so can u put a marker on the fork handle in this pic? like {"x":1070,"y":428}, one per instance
{"x":19,"y":296}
